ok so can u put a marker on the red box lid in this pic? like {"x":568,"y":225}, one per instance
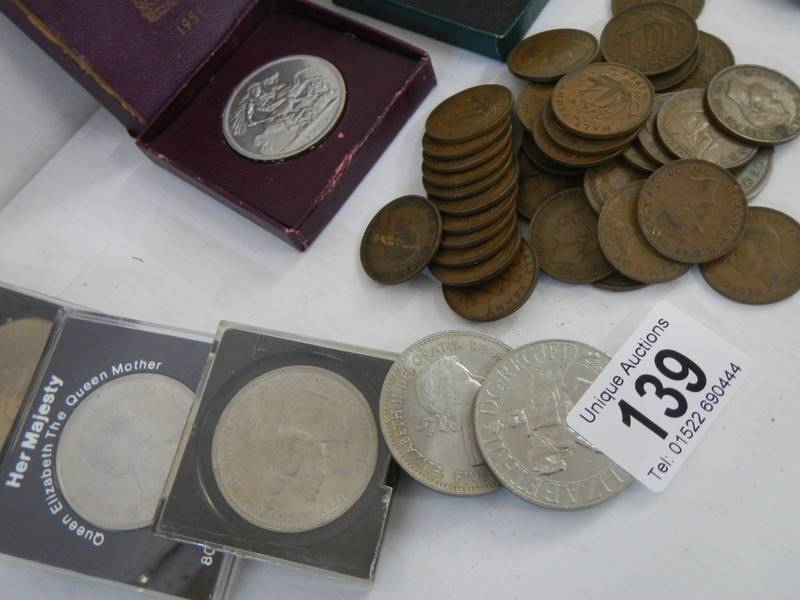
{"x":134,"y":56}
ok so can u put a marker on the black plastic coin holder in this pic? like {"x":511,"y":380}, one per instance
{"x":17,"y":305}
{"x":195,"y":509}
{"x":38,"y":524}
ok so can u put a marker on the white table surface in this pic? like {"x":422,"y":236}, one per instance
{"x":103,"y":227}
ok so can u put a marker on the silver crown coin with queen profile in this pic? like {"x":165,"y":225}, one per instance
{"x":427,"y":407}
{"x":284,"y":108}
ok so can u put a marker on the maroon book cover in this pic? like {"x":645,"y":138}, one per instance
{"x":165,"y":69}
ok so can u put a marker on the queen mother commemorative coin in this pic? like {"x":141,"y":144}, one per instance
{"x":284,"y":108}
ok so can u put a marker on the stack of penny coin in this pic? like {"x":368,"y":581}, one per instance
{"x":470,"y":172}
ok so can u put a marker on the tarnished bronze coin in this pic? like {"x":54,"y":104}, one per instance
{"x":625,"y":246}
{"x":531,"y":102}
{"x":464,"y":224}
{"x":603,"y":101}
{"x":617,"y":282}
{"x":581,"y":145}
{"x":603,"y":182}
{"x":463,"y":179}
{"x":765,"y":265}
{"x":476,"y":238}
{"x":564,"y":237}
{"x":470,"y":162}
{"x":549,"y":55}
{"x":502,"y":295}
{"x":473,"y":189}
{"x":469,"y":114}
{"x":22,"y":342}
{"x":540,"y":159}
{"x":439,"y":151}
{"x":486,"y":199}
{"x":561,"y":156}
{"x":670,"y":79}
{"x":755,"y":174}
{"x":692,"y":7}
{"x":715,"y":55}
{"x":635,"y":156}
{"x":401,"y":239}
{"x":652,"y":38}
{"x":649,"y":139}
{"x":466,"y":257}
{"x":692,"y":211}
{"x":756,"y":104}
{"x":477,"y":274}
{"x":537,"y":186}
{"x":686,"y":130}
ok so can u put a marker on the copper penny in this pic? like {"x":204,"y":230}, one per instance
{"x":468,"y":257}
{"x":463,"y":224}
{"x":765,"y":266}
{"x":754,"y":175}
{"x":603,"y":100}
{"x":624,"y":244}
{"x":472,"y":161}
{"x":483,"y":201}
{"x":469,"y":240}
{"x":562,"y":156}
{"x":649,"y":139}
{"x":477,"y":274}
{"x":469,"y":114}
{"x":692,"y":7}
{"x":715,"y":55}
{"x":577,"y":144}
{"x":651,"y":38}
{"x":670,"y":79}
{"x":537,"y":186}
{"x":439,"y":151}
{"x":466,"y":178}
{"x":634,"y":155}
{"x":756,"y":104}
{"x":549,"y":55}
{"x":601,"y":183}
{"x":692,"y":211}
{"x":531,"y":102}
{"x":617,"y":282}
{"x":538,"y":158}
{"x":401,"y":239}
{"x":685,"y":128}
{"x":22,"y":342}
{"x":473,"y":189}
{"x":564,"y":237}
{"x":502,"y":295}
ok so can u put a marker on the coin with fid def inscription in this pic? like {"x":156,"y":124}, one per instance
{"x":522,"y":431}
{"x":603,"y":100}
{"x":765,"y":266}
{"x":401,"y":239}
{"x":501,"y":296}
{"x":427,"y":410}
{"x":294,"y":449}
{"x":692,"y":211}
{"x":549,"y":55}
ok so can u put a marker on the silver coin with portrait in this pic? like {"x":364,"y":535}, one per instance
{"x":295,"y":449}
{"x":284,"y":108}
{"x":117,"y":448}
{"x":427,"y":407}
{"x":521,"y":424}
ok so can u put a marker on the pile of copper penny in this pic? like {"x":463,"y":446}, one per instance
{"x":625,"y":187}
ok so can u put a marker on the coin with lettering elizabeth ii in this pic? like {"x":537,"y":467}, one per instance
{"x":521,"y":426}
{"x":284,"y":108}
{"x":427,"y":406}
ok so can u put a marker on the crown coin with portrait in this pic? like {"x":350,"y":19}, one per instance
{"x":284,"y":108}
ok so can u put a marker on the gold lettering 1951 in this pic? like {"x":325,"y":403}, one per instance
{"x":191,"y":19}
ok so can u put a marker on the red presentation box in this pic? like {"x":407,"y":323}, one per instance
{"x":165,"y":69}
